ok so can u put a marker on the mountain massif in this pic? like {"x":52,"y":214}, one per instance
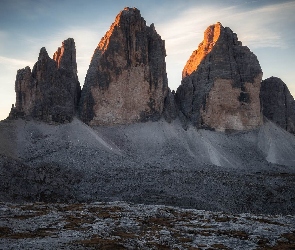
{"x":220,"y":142}
{"x":126,"y":81}
{"x":221,"y":89}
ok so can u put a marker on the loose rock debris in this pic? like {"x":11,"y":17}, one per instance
{"x":120,"y":225}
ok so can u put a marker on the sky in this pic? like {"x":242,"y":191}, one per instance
{"x":265,"y":26}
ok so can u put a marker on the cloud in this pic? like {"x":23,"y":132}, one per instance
{"x":12,"y":62}
{"x":182,"y":31}
{"x":258,"y":28}
{"x":263,"y":27}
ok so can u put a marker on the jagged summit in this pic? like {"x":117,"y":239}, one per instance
{"x":65,"y":56}
{"x":51,"y":91}
{"x":211,"y":35}
{"x":43,"y":55}
{"x":126,"y":81}
{"x":221,"y":83}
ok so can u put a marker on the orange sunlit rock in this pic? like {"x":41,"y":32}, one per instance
{"x":211,"y":35}
{"x":221,"y":83}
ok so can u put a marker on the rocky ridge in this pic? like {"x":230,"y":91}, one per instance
{"x":221,"y":83}
{"x":51,"y":91}
{"x":126,"y":81}
{"x":278,"y":104}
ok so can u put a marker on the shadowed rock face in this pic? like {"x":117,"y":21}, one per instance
{"x":221,"y":83}
{"x":51,"y":91}
{"x":277,"y":103}
{"x":126,"y":81}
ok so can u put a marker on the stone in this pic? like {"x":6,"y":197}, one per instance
{"x":170,"y":111}
{"x":51,"y":91}
{"x":277,"y":103}
{"x":126,"y":81}
{"x":220,"y":83}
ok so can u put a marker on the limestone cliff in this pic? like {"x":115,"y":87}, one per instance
{"x":221,"y":83}
{"x":51,"y":91}
{"x":277,"y":103}
{"x":126,"y":81}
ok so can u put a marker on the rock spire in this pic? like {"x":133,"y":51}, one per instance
{"x":221,"y":82}
{"x":51,"y":91}
{"x":126,"y":81}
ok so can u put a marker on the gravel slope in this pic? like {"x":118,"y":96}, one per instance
{"x":150,"y":163}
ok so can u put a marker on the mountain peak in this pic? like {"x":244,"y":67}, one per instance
{"x":221,"y":83}
{"x":127,"y":18}
{"x":211,"y":36}
{"x":130,"y":11}
{"x":126,"y":81}
{"x":65,"y":56}
{"x":43,"y":54}
{"x":51,"y":91}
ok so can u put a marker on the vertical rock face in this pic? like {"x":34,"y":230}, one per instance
{"x":51,"y":91}
{"x":170,"y":111}
{"x":277,"y":103}
{"x":221,"y":83}
{"x":126,"y":81}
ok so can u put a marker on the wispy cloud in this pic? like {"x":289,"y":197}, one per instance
{"x":13,"y":62}
{"x":256,"y":28}
{"x":86,"y":40}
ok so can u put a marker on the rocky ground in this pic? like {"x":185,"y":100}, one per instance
{"x":149,"y":163}
{"x":155,"y":168}
{"x":120,"y":225}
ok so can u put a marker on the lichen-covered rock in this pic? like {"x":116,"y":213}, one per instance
{"x":51,"y":91}
{"x":278,"y":104}
{"x":126,"y":81}
{"x":221,"y":83}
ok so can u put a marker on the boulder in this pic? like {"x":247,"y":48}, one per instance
{"x":126,"y":81}
{"x":220,"y":83}
{"x":277,"y":103}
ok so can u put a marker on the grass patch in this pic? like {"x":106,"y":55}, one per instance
{"x":5,"y":231}
{"x":97,"y":242}
{"x":106,"y":212}
{"x":266,"y":221}
{"x":219,"y":246}
{"x":39,"y":233}
{"x":75,"y":222}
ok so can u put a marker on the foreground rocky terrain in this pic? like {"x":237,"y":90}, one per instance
{"x":119,"y":225}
